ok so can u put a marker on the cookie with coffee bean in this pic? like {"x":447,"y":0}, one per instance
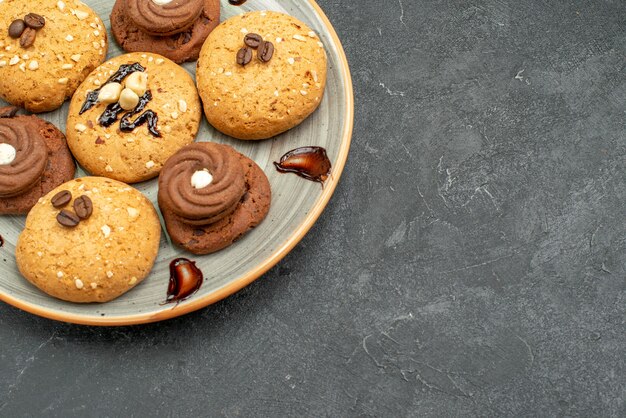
{"x":261,"y":74}
{"x":210,"y":195}
{"x":47,"y":48}
{"x":175,"y":29}
{"x":131,"y":114}
{"x":34,"y":159}
{"x":89,"y":240}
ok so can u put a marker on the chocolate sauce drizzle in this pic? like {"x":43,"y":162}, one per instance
{"x":311,"y":163}
{"x":114,"y":110}
{"x":236,"y":2}
{"x":1,"y":241}
{"x":185,"y":280}
{"x":110,"y":115}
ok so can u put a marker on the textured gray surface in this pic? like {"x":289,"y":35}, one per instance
{"x":471,"y":262}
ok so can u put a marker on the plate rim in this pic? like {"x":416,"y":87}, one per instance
{"x":267,"y":263}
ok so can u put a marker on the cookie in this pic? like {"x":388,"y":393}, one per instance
{"x":34,"y":159}
{"x":210,"y":195}
{"x":271,"y":93}
{"x":175,"y":29}
{"x":130,"y":115}
{"x":42,"y":67}
{"x":96,"y":257}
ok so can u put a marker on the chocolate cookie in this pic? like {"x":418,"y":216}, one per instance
{"x":89,"y":240}
{"x":34,"y":159}
{"x":260,"y":74}
{"x":131,"y":114}
{"x":175,"y":29}
{"x":47,"y":48}
{"x":210,"y":195}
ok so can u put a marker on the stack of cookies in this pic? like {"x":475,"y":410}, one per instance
{"x":134,"y":118}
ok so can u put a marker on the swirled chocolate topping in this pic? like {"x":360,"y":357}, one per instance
{"x":31,"y":156}
{"x":160,"y":18}
{"x":209,"y":204}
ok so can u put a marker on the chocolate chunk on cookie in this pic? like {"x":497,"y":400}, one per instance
{"x":48,"y":52}
{"x":175,"y":29}
{"x":210,"y":195}
{"x":34,"y":159}
{"x":100,"y":245}
{"x":275,"y":90}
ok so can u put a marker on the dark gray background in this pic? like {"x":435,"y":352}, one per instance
{"x":470,"y":263}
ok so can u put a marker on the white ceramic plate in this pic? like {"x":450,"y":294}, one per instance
{"x":296,"y":203}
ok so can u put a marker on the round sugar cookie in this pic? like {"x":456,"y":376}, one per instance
{"x":132,"y":145}
{"x":40,"y":74}
{"x":103,"y":256}
{"x":261,"y":99}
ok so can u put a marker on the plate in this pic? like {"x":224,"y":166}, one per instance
{"x":296,"y":203}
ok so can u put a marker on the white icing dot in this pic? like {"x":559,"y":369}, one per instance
{"x":161,"y":2}
{"x":201,"y":179}
{"x":7,"y":154}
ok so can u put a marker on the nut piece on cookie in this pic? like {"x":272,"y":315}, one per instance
{"x":210,"y":195}
{"x":34,"y":159}
{"x":175,"y":29}
{"x":126,"y":120}
{"x":103,"y":245}
{"x":262,"y":97}
{"x":110,"y":93}
{"x":48,"y":50}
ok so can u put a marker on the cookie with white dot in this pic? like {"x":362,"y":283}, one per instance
{"x":89,"y":240}
{"x":34,"y":159}
{"x":47,"y":48}
{"x":131,"y":114}
{"x":210,"y":195}
{"x":261,"y":74}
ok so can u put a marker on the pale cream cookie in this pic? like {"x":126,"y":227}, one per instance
{"x":87,"y":255}
{"x":131,"y":114}
{"x":273,"y":91}
{"x":41,"y":68}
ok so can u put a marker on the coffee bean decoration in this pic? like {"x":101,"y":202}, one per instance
{"x":34,"y":21}
{"x":83,"y":207}
{"x":61,"y":199}
{"x":266,"y":51}
{"x":28,"y":38}
{"x":16,"y":28}
{"x":253,"y":40}
{"x":244,"y":56}
{"x":68,"y":218}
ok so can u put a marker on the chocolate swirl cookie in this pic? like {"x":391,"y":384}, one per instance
{"x":34,"y":159}
{"x":194,"y":204}
{"x":175,"y":29}
{"x":162,"y":17}
{"x":31,"y":157}
{"x":210,"y":195}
